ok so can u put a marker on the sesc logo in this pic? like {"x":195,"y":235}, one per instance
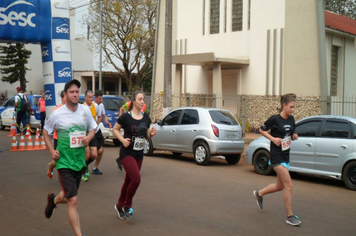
{"x":48,"y":95}
{"x":45,"y":51}
{"x":65,"y":73}
{"x":62,"y":29}
{"x":62,"y":71}
{"x":17,"y":18}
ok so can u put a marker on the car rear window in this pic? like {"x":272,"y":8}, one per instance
{"x":223,"y":117}
{"x":35,"y":100}
{"x":112,"y":104}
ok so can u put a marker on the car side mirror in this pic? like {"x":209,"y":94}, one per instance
{"x":159,"y":122}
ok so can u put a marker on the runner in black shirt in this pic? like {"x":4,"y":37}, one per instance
{"x":282,"y":128}
{"x":136,"y":125}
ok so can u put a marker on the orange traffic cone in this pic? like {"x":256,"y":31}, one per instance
{"x":14,"y":145}
{"x":43,"y":144}
{"x":13,"y":128}
{"x":28,"y":132}
{"x":37,"y":143}
{"x":38,"y":131}
{"x":30,"y":144}
{"x":22,"y":143}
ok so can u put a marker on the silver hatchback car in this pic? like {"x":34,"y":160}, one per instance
{"x":205,"y":132}
{"x":326,"y":147}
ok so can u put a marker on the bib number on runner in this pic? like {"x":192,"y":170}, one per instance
{"x":76,"y":139}
{"x":138,"y":144}
{"x":286,"y":143}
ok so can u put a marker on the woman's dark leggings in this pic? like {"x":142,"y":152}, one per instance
{"x":132,"y":180}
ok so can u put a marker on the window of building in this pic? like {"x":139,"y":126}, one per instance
{"x":237,"y":7}
{"x":214,"y":16}
{"x":225,"y":15}
{"x":203,"y":17}
{"x":334,"y":65}
{"x":249,"y":14}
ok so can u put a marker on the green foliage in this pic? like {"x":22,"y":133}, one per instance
{"x":341,"y":7}
{"x":13,"y":60}
{"x":128,"y":36}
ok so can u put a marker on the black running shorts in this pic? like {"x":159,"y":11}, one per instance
{"x":99,"y":139}
{"x":93,"y":142}
{"x":70,"y":181}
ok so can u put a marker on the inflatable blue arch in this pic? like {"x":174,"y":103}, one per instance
{"x":44,"y":22}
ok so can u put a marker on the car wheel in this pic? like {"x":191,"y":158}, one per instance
{"x":349,"y":175}
{"x":117,"y":142}
{"x":148,"y":148}
{"x":201,"y":153}
{"x":177,"y":154}
{"x":1,"y":126}
{"x":261,"y":165}
{"x":233,"y":159}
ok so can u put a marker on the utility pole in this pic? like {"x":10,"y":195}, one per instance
{"x":167,"y":93}
{"x":101,"y":44}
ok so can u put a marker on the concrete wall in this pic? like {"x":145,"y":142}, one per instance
{"x":301,"y":70}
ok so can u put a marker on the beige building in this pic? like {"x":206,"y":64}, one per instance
{"x":257,"y":48}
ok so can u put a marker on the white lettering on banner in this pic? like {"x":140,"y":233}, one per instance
{"x":62,"y":29}
{"x":65,"y":72}
{"x":48,"y":95}
{"x":45,"y":51}
{"x":58,"y":7}
{"x":17,"y":17}
{"x":57,"y":50}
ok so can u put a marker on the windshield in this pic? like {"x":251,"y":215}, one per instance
{"x":223,"y":117}
{"x":112,"y":104}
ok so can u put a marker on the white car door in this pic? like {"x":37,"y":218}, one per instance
{"x":187,"y":130}
{"x":333,"y":146}
{"x":303,"y":150}
{"x":166,"y":132}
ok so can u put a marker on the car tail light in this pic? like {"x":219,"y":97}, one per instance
{"x":32,"y":113}
{"x":215,"y":130}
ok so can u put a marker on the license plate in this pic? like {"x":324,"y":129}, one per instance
{"x":231,"y":135}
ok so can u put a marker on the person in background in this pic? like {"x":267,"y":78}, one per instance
{"x":52,"y":164}
{"x":29,"y":108}
{"x":91,"y":152}
{"x":42,"y":107}
{"x":20,"y":112}
{"x":98,"y":135}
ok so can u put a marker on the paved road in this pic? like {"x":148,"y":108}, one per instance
{"x":176,"y":197}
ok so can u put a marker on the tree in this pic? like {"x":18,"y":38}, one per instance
{"x":13,"y":60}
{"x":128,"y":36}
{"x":342,"y":7}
